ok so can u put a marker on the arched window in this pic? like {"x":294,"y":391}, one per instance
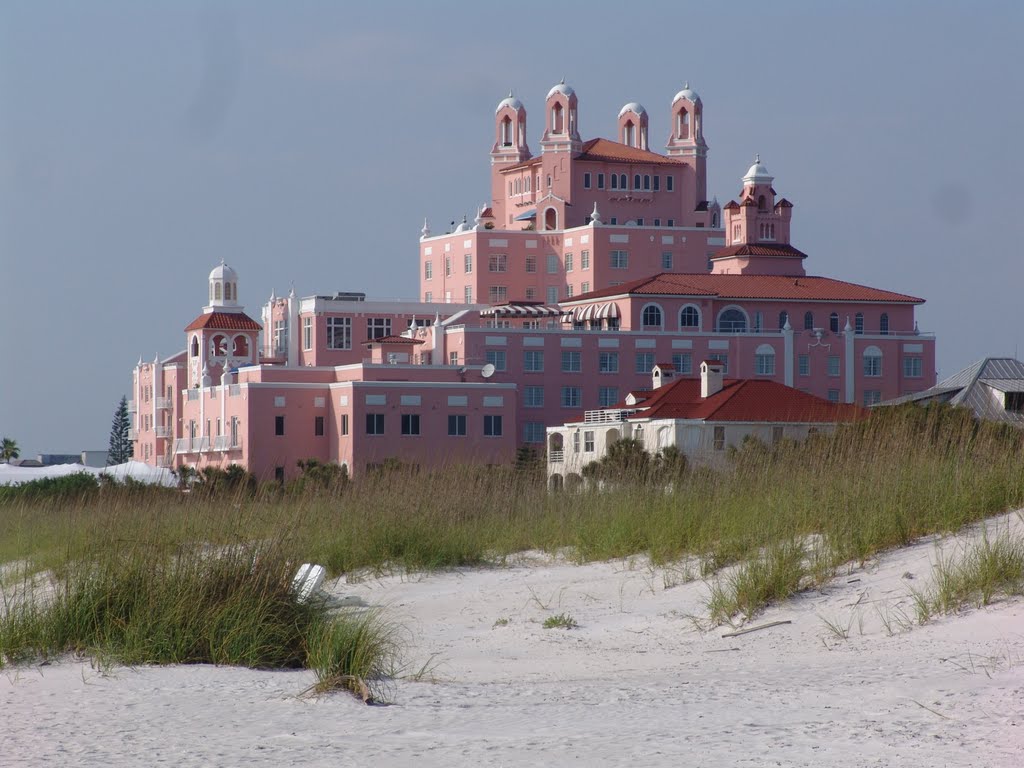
{"x":615,"y":181}
{"x":556,"y":118}
{"x":216,"y":291}
{"x":714,"y":220}
{"x":194,"y":349}
{"x":873,"y":362}
{"x":628,"y":133}
{"x":549,"y":181}
{"x":683,"y":124}
{"x":689,"y":317}
{"x":622,"y":181}
{"x":506,"y":132}
{"x":761,"y":205}
{"x":783,"y":319}
{"x":858,"y":323}
{"x":883,"y":324}
{"x":764,"y":360}
{"x":550,"y":219}
{"x":732,"y":320}
{"x":833,"y":322}
{"x":636,"y":181}
{"x":528,"y":185}
{"x":211,"y":291}
{"x":219,"y":345}
{"x":650,"y":318}
{"x":647,"y":181}
{"x":240,"y":347}
{"x":808,"y":321}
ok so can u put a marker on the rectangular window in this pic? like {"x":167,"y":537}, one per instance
{"x":497,"y":262}
{"x":657,"y":222}
{"x":568,"y":290}
{"x":533,"y":397}
{"x":584,"y":259}
{"x":410,"y":423}
{"x":344,"y":423}
{"x":280,"y":337}
{"x":833,"y":365}
{"x":307,"y":333}
{"x":531,"y":263}
{"x":719,"y":434}
{"x":640,"y":222}
{"x":575,"y":442}
{"x":552,"y":294}
{"x":657,"y":183}
{"x":492,"y":425}
{"x":571,"y":362}
{"x":585,"y":287}
{"x":496,"y":357}
{"x":318,"y":426}
{"x":467,"y":265}
{"x":666,"y":260}
{"x":375,"y":423}
{"x":765,"y":364}
{"x":912,"y":367}
{"x":683,"y":362}
{"x":533,"y":360}
{"x":568,"y":262}
{"x":570,"y":397}
{"x":600,"y":181}
{"x":497,"y":294}
{"x":644,"y":362}
{"x":619,"y":259}
{"x":586,"y":181}
{"x":607,"y":396}
{"x":588,"y":442}
{"x":803,"y":365}
{"x":378,"y":327}
{"x":723,"y":359}
{"x":339,"y":333}
{"x":608,"y":362}
{"x":670,"y":223}
{"x":279,"y":425}
{"x":872,"y":365}
{"x":447,"y":266}
{"x":531,"y":294}
{"x":428,"y":297}
{"x":833,"y":395}
{"x":614,"y":220}
{"x":457,"y":424}
{"x":467,"y":294}
{"x":669,"y":182}
{"x":453,"y":358}
{"x":533,"y":432}
{"x":872,"y":396}
{"x":553,"y":265}
{"x":428,"y":270}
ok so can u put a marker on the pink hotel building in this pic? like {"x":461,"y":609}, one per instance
{"x":595,"y":261}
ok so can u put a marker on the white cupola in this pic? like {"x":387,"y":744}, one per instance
{"x":223,"y":289}
{"x":757,"y":173}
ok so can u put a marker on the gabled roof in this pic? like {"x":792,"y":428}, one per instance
{"x":776,"y":287}
{"x":607,"y":151}
{"x":224,"y":321}
{"x":973,"y":388}
{"x":743,"y":400}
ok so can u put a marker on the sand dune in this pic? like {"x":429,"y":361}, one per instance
{"x":636,"y":683}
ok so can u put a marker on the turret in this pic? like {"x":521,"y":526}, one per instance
{"x":633,"y":126}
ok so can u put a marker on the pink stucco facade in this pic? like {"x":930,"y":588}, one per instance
{"x":559,"y":298}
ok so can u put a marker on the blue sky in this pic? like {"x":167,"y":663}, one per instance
{"x":304,"y":142}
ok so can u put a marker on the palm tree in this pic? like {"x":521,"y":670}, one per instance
{"x":9,"y":449}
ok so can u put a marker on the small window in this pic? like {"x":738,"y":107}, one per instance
{"x":647,"y":182}
{"x":492,"y":425}
{"x":833,"y":395}
{"x":344,"y":423}
{"x":764,"y":360}
{"x":608,"y":362}
{"x":804,"y":365}
{"x":607,"y":396}
{"x":689,"y":317}
{"x":858,"y":323}
{"x":913,"y":367}
{"x":808,"y":321}
{"x":683,"y":362}
{"x":669,"y":181}
{"x":428,"y":270}
{"x":584,"y":259}
{"x":533,"y":360}
{"x":1013,"y":401}
{"x":619,"y":259}
{"x":615,"y":181}
{"x":588,"y":441}
{"x":833,"y":365}
{"x":657,"y":183}
{"x":279,"y":425}
{"x":375,"y":423}
{"x":644,"y":362}
{"x":636,"y":181}
{"x":457,"y":425}
{"x":883,"y":324}
{"x":410,"y":423}
{"x":307,"y":333}
{"x":318,"y":426}
{"x":833,"y":322}
{"x":533,"y":396}
{"x":600,"y":181}
{"x":571,"y":362}
{"x":570,"y":397}
{"x":497,"y":358}
{"x":719,"y":438}
{"x":783,"y":319}
{"x":586,"y":181}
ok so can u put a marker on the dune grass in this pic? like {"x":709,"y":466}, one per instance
{"x":902,"y":474}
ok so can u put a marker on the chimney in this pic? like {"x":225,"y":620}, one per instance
{"x":710,"y":378}
{"x":662,"y":374}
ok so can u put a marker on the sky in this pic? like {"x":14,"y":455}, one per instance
{"x":304,"y":143}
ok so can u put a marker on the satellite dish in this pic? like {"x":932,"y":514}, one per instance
{"x":487,"y":371}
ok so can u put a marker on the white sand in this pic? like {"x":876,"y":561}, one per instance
{"x":636,"y":683}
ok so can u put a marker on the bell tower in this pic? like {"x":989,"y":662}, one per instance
{"x":633,"y":126}
{"x":686,"y":141}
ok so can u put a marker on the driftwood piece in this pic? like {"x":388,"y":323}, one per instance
{"x":739,"y":632}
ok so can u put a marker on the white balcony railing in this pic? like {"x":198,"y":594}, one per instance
{"x":163,"y":461}
{"x":200,"y":444}
{"x":162,"y":431}
{"x":133,"y":434}
{"x":556,"y":457}
{"x":183,"y":445}
{"x":222,"y":443}
{"x":132,"y":407}
{"x":163,"y":402}
{"x":606,"y":416}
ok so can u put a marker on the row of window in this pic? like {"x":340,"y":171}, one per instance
{"x":833,"y":322}
{"x":339,"y":332}
{"x":620,"y":181}
{"x":409,"y":425}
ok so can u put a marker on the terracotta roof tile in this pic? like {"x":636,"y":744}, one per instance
{"x":759,"y":249}
{"x":394,"y":340}
{"x":609,"y":151}
{"x":778,"y":287}
{"x":224,"y":321}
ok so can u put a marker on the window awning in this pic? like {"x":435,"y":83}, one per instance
{"x":609,"y":310}
{"x":527,"y":215}
{"x":521,"y":310}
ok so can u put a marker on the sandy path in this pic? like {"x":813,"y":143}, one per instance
{"x":636,"y":682}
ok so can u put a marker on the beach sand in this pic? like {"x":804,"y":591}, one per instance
{"x":636,"y":683}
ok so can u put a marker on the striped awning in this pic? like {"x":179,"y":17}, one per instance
{"x":521,"y":310}
{"x":609,"y":310}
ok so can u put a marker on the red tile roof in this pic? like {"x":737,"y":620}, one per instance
{"x":523,"y":164}
{"x":779,"y":287}
{"x":744,"y":400}
{"x":224,"y":321}
{"x":612,"y":152}
{"x":759,"y":249}
{"x":394,"y":340}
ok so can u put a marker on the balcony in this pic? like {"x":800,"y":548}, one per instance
{"x":183,"y":445}
{"x":162,"y":431}
{"x":200,"y":444}
{"x":606,"y":416}
{"x":163,"y":461}
{"x":163,"y":402}
{"x":132,"y":408}
{"x":556,"y":457}
{"x":222,"y":443}
{"x":133,"y":434}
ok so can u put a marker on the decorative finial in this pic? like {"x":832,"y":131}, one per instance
{"x":425,"y":232}
{"x":757,"y":157}
{"x":786,"y":326}
{"x":510,"y":93}
{"x":273,"y":295}
{"x":291,"y":292}
{"x":847,"y":328}
{"x":686,"y":85}
{"x":595,"y":216}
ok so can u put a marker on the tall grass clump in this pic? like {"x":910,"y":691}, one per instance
{"x":772,"y":576}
